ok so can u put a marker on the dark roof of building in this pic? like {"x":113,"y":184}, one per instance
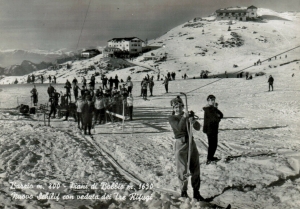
{"x":252,"y":7}
{"x":91,"y":50}
{"x":112,"y":48}
{"x":126,"y":39}
{"x":235,"y":10}
{"x":231,"y":10}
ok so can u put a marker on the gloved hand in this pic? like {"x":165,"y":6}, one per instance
{"x":185,"y":113}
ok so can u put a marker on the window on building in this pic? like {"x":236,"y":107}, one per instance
{"x":252,"y":13}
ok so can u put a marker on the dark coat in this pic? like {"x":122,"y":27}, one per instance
{"x":50,"y":90}
{"x":212,"y":118}
{"x":271,"y":80}
{"x":68,"y":86}
{"x":87,"y":112}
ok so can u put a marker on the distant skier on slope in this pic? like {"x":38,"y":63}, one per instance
{"x":68,"y":89}
{"x":151,"y":85}
{"x":130,"y":85}
{"x":34,"y":95}
{"x":166,"y":82}
{"x":212,"y":118}
{"x":42,"y":79}
{"x":178,"y":123}
{"x":144,"y":89}
{"x":270,"y":81}
{"x":87,"y":112}
{"x":50,"y":90}
{"x":130,"y":105}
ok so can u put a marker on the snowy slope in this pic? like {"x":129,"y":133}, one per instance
{"x":258,"y":144}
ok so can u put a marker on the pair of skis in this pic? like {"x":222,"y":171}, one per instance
{"x":190,"y":133}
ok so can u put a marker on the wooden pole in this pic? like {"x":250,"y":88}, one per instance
{"x":123,"y":115}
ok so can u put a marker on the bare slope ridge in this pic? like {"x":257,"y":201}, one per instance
{"x":199,"y":45}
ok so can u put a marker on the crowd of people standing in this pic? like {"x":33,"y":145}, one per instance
{"x":90,"y":103}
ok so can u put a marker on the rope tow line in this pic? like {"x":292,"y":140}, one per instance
{"x":83,"y":24}
{"x":243,"y":69}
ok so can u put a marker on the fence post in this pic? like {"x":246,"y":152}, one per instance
{"x":123,"y":115}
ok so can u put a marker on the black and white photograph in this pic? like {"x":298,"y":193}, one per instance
{"x":159,"y":104}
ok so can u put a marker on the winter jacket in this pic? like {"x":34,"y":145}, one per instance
{"x":104,"y":81}
{"x":212,"y":118}
{"x":271,"y":80}
{"x":34,"y":91}
{"x":50,"y":90}
{"x":79,"y":105}
{"x":68,"y":86}
{"x":129,"y":101}
{"x":100,"y":103}
{"x":74,"y":82}
{"x":151,"y":84}
{"x":178,"y":124}
{"x":144,"y":84}
{"x":129,"y":83}
{"x":87,"y":111}
{"x":166,"y":82}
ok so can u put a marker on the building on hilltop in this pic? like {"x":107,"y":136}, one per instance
{"x":133,"y":44}
{"x":109,"y":51}
{"x":237,"y":13}
{"x":90,"y":53}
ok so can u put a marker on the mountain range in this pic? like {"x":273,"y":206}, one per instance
{"x":30,"y":60}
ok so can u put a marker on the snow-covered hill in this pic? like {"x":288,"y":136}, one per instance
{"x":204,"y":44}
{"x":196,"y":45}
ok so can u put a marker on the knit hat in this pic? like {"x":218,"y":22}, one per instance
{"x":211,"y":97}
{"x":176,"y":102}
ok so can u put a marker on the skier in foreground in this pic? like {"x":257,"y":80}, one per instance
{"x":179,"y":123}
{"x":212,"y":118}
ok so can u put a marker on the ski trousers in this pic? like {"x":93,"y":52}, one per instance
{"x":129,"y":89}
{"x":167,"y":89}
{"x":151,"y":91}
{"x":212,"y":145}
{"x":270,"y":86}
{"x":130,"y":108}
{"x":100,"y":115}
{"x":181,"y":160}
{"x":79,"y":119}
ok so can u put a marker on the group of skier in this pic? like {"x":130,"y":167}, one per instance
{"x":91,"y":104}
{"x":147,"y":82}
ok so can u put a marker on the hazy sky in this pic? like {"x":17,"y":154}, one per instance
{"x":57,"y":24}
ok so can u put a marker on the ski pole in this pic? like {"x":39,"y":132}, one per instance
{"x":190,"y":139}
